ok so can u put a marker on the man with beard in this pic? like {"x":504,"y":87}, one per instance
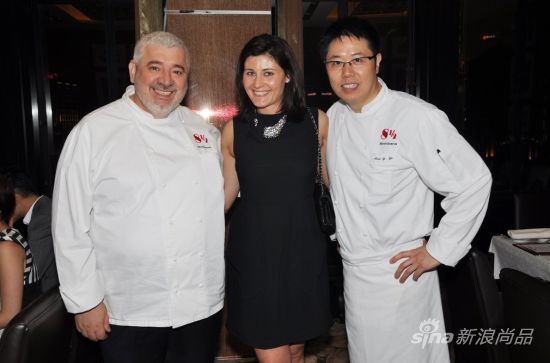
{"x":138,"y":218}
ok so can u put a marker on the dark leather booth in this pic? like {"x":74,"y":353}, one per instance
{"x":40,"y":333}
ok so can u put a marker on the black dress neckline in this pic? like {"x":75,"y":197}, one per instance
{"x":267,"y":119}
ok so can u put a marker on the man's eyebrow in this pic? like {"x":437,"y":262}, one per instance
{"x":354,"y":55}
{"x":152,"y":62}
{"x":156,"y":62}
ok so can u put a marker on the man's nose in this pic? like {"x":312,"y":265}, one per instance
{"x":347,"y":68}
{"x":165,"y":77}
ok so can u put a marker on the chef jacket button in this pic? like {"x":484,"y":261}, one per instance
{"x":201,"y":285}
{"x":339,"y":230}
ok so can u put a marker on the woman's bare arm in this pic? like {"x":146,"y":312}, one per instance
{"x":323,"y":135}
{"x":12,"y":267}
{"x":231,"y":182}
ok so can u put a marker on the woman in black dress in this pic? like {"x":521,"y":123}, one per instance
{"x":277,"y":284}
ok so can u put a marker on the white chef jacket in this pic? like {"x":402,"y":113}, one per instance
{"x":384,"y":164}
{"x":138,"y":217}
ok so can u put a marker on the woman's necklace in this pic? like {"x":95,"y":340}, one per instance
{"x":271,"y":132}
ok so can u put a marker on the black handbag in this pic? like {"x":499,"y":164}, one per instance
{"x":323,"y":201}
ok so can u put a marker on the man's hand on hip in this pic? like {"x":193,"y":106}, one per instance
{"x":94,"y":323}
{"x":417,"y":261}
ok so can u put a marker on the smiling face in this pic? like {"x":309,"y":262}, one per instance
{"x":160,"y":79}
{"x":355,"y":85}
{"x":264,"y":82}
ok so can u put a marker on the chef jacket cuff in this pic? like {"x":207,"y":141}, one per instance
{"x":445,"y":255}
{"x":82,"y":299}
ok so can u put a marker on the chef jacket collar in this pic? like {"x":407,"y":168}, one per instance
{"x":372,"y":107}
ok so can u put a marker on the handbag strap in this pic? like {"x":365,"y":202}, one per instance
{"x":319,"y":175}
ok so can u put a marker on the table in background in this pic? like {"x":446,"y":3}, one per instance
{"x":509,"y":256}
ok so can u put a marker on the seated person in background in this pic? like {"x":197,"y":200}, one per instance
{"x":36,"y":212}
{"x":18,"y":275}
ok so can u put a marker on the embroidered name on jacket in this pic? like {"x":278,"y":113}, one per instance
{"x":388,"y":135}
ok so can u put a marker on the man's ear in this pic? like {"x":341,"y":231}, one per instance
{"x":378,"y":60}
{"x":132,"y":70}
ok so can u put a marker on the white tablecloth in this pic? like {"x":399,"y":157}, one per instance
{"x":509,"y":256}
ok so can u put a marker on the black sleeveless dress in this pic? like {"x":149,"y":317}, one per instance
{"x":277,"y":280}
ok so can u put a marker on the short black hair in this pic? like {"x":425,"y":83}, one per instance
{"x":352,"y":27}
{"x":22,"y":184}
{"x":7,"y":198}
{"x":294,"y":100}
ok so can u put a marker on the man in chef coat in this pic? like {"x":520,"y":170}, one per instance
{"x":138,"y":218}
{"x":387,"y":153}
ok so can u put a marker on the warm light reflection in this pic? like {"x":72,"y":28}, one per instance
{"x":205,"y":112}
{"x":222,"y":113}
{"x":490,"y":152}
{"x":74,"y":13}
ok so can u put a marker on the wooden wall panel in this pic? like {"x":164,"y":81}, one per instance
{"x":214,"y":42}
{"x":219,"y":4}
{"x":290,"y":26}
{"x":148,"y":15}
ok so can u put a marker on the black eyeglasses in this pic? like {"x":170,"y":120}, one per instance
{"x":355,"y":62}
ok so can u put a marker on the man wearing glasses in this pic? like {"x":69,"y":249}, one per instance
{"x":387,"y":153}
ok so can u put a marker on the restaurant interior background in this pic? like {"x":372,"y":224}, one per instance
{"x":480,"y":61}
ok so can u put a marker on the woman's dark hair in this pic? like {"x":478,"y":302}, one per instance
{"x":350,"y":27}
{"x":294,"y":100}
{"x":7,"y":198}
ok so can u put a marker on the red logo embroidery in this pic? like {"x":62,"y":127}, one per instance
{"x":392,"y":134}
{"x":200,"y":138}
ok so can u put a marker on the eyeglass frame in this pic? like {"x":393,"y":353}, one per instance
{"x":332,"y":63}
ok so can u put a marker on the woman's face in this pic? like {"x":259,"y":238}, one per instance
{"x":264,"y":81}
